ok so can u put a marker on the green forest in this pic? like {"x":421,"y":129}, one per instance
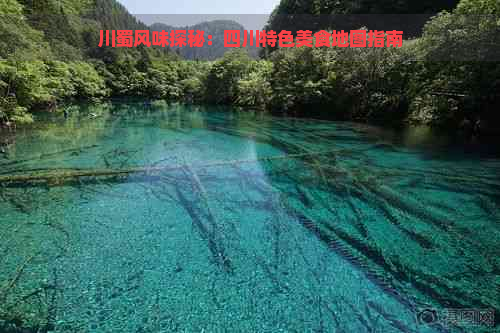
{"x":448,"y":76}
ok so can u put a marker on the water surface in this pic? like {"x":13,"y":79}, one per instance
{"x":126,"y":218}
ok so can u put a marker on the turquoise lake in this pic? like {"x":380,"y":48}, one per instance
{"x":128,"y":217}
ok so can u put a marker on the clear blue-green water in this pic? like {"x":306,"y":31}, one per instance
{"x":240,"y":222}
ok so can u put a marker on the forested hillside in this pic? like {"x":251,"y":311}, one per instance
{"x":60,"y":39}
{"x":448,"y":77}
{"x":407,"y":15}
{"x":214,"y":28}
{"x":72,"y":27}
{"x":317,"y":7}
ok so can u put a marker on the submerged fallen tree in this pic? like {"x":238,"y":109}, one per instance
{"x":58,"y":176}
{"x":55,"y":177}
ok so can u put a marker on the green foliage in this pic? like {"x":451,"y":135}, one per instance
{"x":452,"y":82}
{"x":374,"y":82}
{"x":31,"y":84}
{"x":302,"y":77}
{"x":192,"y":78}
{"x":478,"y":7}
{"x":42,"y":31}
{"x":346,"y":83}
{"x":222,"y":80}
{"x":17,"y":38}
{"x":11,"y":7}
{"x":254,"y":89}
{"x":459,"y":80}
{"x":86,"y":81}
{"x":28,"y":84}
{"x":9,"y":108}
{"x":315,"y":15}
{"x":169,"y":80}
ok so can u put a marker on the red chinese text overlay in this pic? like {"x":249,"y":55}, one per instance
{"x":131,"y":38}
{"x":238,"y":38}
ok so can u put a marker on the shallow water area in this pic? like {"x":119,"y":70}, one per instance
{"x":135,"y":218}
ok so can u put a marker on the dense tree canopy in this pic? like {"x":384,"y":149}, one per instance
{"x":408,"y":15}
{"x":450,"y":76}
